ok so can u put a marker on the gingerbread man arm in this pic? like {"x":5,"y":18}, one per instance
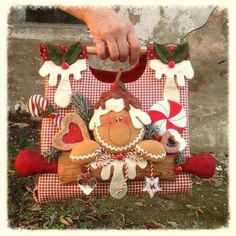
{"x":151,"y":150}
{"x":85,"y":152}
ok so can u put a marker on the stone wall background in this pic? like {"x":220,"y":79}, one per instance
{"x":205,"y":28}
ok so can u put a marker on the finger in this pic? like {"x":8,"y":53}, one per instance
{"x":134,"y":47}
{"x":113,"y":49}
{"x":101,"y":49}
{"x":123,"y":49}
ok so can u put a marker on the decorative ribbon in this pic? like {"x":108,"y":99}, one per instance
{"x":107,"y":158}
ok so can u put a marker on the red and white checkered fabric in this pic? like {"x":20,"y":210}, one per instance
{"x":149,"y":90}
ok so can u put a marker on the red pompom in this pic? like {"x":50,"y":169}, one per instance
{"x":157,"y":137}
{"x":29,"y":163}
{"x":63,"y":47}
{"x":171,"y":64}
{"x":64,"y":65}
{"x":119,"y":156}
{"x":203,"y":165}
{"x":115,"y":86}
{"x":178,"y":169}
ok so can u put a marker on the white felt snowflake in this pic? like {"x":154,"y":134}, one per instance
{"x":152,"y":186}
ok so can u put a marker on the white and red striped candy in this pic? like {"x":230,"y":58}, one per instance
{"x":57,"y":120}
{"x":167,"y":114}
{"x":36,"y":105}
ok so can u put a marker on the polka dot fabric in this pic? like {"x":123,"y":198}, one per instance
{"x":148,"y":90}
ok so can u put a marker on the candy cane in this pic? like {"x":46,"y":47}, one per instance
{"x":57,"y":120}
{"x":38,"y":104}
{"x":126,"y":170}
{"x":152,"y":170}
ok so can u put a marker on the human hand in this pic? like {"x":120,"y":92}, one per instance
{"x":114,"y":36}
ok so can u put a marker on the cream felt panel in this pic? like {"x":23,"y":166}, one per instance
{"x":132,"y":164}
{"x":118,"y":178}
{"x":180,"y":70}
{"x":170,"y":90}
{"x":63,"y":92}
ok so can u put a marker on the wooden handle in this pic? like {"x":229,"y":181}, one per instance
{"x":92,"y":50}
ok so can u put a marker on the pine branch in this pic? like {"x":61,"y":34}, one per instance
{"x":180,"y":159}
{"x":51,"y":154}
{"x":151,"y":131}
{"x":82,"y":108}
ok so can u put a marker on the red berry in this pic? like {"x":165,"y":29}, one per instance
{"x":115,"y":86}
{"x":52,"y":116}
{"x":63,"y":47}
{"x":171,"y":48}
{"x":171,"y":64}
{"x":45,"y":57}
{"x":64,"y":65}
{"x":157,"y":137}
{"x":42,"y":46}
{"x":119,"y":156}
{"x":178,"y":169}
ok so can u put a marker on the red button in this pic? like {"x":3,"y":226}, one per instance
{"x":119,"y":156}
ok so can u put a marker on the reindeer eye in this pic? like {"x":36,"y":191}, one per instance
{"x":120,"y":119}
{"x":116,"y":119}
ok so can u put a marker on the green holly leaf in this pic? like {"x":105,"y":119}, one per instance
{"x":45,"y":114}
{"x":55,"y":54}
{"x":181,"y":52}
{"x":73,"y":53}
{"x":163,"y":53}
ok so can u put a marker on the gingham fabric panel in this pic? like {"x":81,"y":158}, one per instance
{"x":149,"y":90}
{"x":58,"y":192}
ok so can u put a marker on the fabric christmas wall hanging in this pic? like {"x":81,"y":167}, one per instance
{"x":114,"y":141}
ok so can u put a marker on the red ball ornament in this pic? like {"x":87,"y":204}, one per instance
{"x":172,"y":48}
{"x":119,"y":156}
{"x":157,"y":137}
{"x":64,"y":65}
{"x":52,"y":116}
{"x":171,"y":64}
{"x":178,"y":169}
{"x":115,"y":86}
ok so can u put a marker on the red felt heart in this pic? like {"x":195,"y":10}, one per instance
{"x":74,"y":135}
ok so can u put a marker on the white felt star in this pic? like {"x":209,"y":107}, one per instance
{"x":152,"y":186}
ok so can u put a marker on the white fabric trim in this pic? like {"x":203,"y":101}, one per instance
{"x":182,"y":142}
{"x":63,"y":92}
{"x":138,"y":116}
{"x":181,"y":70}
